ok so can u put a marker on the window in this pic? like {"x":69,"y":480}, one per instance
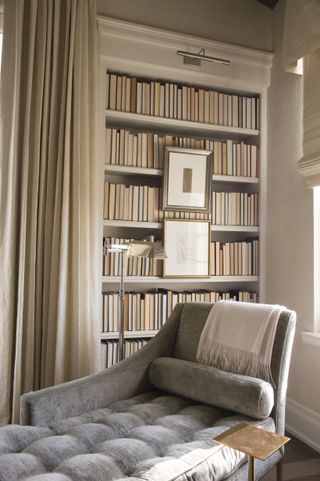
{"x":313,"y":338}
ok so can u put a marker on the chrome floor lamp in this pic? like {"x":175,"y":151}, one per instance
{"x":151,"y":250}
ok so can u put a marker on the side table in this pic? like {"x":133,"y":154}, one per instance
{"x":254,"y":442}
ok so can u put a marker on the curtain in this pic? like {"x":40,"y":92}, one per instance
{"x":301,"y":30}
{"x":50,"y":198}
{"x":301,"y":39}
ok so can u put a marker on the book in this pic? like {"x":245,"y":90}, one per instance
{"x":113,"y":92}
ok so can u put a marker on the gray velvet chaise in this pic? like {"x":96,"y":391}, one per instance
{"x":151,"y":417}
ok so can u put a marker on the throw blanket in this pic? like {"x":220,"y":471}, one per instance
{"x":238,"y":337}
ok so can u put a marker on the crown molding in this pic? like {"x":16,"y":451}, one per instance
{"x":111,"y":27}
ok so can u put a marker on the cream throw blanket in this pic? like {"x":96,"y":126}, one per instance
{"x":238,"y":337}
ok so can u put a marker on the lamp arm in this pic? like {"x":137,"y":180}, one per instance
{"x":121,"y":306}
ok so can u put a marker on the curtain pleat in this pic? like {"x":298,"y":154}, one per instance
{"x":301,"y":40}
{"x":51,"y":197}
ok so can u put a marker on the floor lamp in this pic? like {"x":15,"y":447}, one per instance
{"x":151,"y":250}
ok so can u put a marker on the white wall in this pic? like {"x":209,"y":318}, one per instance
{"x":245,"y":22}
{"x":290,"y":238}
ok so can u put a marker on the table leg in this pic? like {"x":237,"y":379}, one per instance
{"x":250,"y":468}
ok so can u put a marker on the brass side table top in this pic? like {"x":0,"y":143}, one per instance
{"x":253,"y":441}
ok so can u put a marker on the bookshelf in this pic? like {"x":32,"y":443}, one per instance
{"x":126,"y":52}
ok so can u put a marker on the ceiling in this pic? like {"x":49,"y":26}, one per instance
{"x":269,"y":3}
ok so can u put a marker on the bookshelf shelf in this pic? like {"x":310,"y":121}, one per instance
{"x":234,"y":228}
{"x":132,"y":224}
{"x":126,"y":170}
{"x":188,"y":280}
{"x":128,"y":335}
{"x":116,"y":118}
{"x":234,"y":179}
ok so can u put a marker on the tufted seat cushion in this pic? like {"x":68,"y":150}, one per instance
{"x":152,"y":436}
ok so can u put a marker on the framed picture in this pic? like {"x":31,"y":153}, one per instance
{"x":187,"y":179}
{"x":187,"y":245}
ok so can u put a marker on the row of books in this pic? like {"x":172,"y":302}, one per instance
{"x":182,"y":102}
{"x":147,"y":149}
{"x":109,"y":350}
{"x":168,"y":214}
{"x":240,"y":258}
{"x":149,"y":310}
{"x":132,"y":202}
{"x":133,"y":266}
{"x":235,"y":208}
{"x":234,"y":258}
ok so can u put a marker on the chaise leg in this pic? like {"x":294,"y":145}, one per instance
{"x":280,"y":470}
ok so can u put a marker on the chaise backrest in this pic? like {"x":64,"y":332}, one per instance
{"x":192,"y":320}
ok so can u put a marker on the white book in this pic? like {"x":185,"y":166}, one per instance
{"x":135,"y":151}
{"x":139,"y":150}
{"x":140,"y":206}
{"x":253,"y":113}
{"x":139,"y":98}
{"x":171,"y":100}
{"x":144,"y":149}
{"x":113,"y":92}
{"x":152,"y":98}
{"x":179,"y":106}
{"x":184,"y":103}
{"x":113,"y":146}
{"x":229,"y":157}
{"x":117,"y":147}
{"x":221,"y":109}
{"x":162,"y":100}
{"x":129,"y":150}
{"x":156,"y":150}
{"x":235,"y":111}
{"x":128,"y":94}
{"x":175,"y":101}
{"x":207,"y":106}
{"x":123,"y":93}
{"x":167,"y":100}
{"x":121,"y":147}
{"x":108,"y":143}
{"x":119,"y":92}
{"x":107,"y":90}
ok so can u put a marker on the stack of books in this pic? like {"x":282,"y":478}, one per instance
{"x":133,"y":266}
{"x":182,"y":102}
{"x":234,"y":258}
{"x":132,"y":202}
{"x":109,"y":350}
{"x":147,"y":149}
{"x":149,"y":310}
{"x":235,"y":208}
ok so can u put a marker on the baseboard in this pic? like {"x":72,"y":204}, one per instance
{"x":304,"y":423}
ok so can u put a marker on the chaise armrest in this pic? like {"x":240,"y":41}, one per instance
{"x":103,"y":388}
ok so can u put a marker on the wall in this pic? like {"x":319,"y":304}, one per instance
{"x":246,"y":23}
{"x":290,"y":238}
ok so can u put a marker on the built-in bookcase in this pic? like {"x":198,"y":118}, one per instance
{"x":148,"y":107}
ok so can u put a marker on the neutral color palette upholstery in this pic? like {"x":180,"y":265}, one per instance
{"x":115,"y":425}
{"x":152,"y":436}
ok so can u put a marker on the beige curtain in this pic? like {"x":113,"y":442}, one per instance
{"x":301,"y":39}
{"x":301,"y":30}
{"x":51,"y":197}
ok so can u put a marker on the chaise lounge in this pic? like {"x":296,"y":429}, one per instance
{"x":152,"y":417}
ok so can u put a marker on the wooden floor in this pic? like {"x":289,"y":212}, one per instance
{"x":301,"y":463}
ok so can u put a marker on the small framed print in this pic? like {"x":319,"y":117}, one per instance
{"x":187,"y":245}
{"x":187,"y":179}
